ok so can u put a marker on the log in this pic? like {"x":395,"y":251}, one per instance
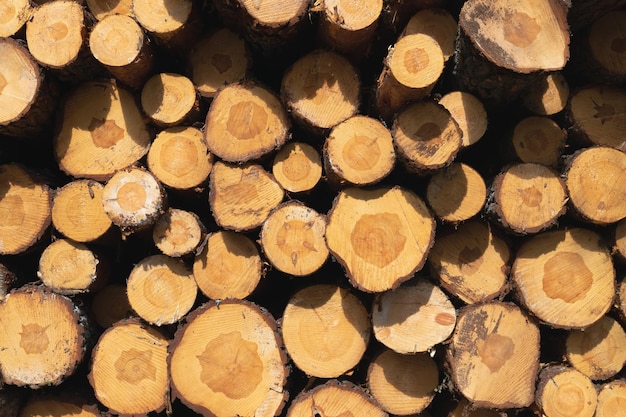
{"x":179,"y":158}
{"x":228,"y":359}
{"x":413,"y":318}
{"x":43,"y":340}
{"x":169,"y":99}
{"x":297,"y":167}
{"x":78,"y":213}
{"x":358,"y":151}
{"x":245,"y":122}
{"x":494,"y":355}
{"x":538,"y":140}
{"x":565,"y":277}
{"x":178,"y":233}
{"x":564,"y":391}
{"x":13,"y":17}
{"x":161,"y":289}
{"x":326,"y":330}
{"x":402,"y":384}
{"x":471,"y":262}
{"x":229,"y":266}
{"x":103,"y":8}
{"x":548,"y":96}
{"x":129,"y":372}
{"x":390,"y":232}
{"x":102,"y":131}
{"x":50,"y":406}
{"x":469,"y":114}
{"x":110,"y":305}
{"x":25,"y":209}
{"x":611,"y":397}
{"x":437,"y":23}
{"x":465,"y":409}
{"x":598,"y":350}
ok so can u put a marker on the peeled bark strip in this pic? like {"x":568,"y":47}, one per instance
{"x":494,"y":355}
{"x":169,"y":99}
{"x":381,"y":236}
{"x":121,"y":46}
{"x":49,"y":406}
{"x":527,"y":198}
{"x":321,"y":90}
{"x":242,"y":196}
{"x":179,"y":158}
{"x":436,"y":23}
{"x":471,"y":262}
{"x":292,"y":238}
{"x":57,"y":38}
{"x":413,"y":317}
{"x":129,"y":372}
{"x":133,"y":199}
{"x":469,"y":114}
{"x":595,"y":177}
{"x":538,"y":140}
{"x":228,"y":360}
{"x":218,"y":59}
{"x":598,"y":116}
{"x":229,"y":266}
{"x":245,"y":122}
{"x":178,"y":232}
{"x":172,"y":26}
{"x":456,"y":193}
{"x":161,"y":290}
{"x":69,"y":268}
{"x":563,"y":391}
{"x":77,"y":211}
{"x":548,"y":96}
{"x":25,"y":209}
{"x":359,"y":151}
{"x":500,"y":44}
{"x":13,"y":16}
{"x":27,"y":100}
{"x":102,"y":131}
{"x":297,"y":167}
{"x":426,"y":137}
{"x":43,"y":337}
{"x":334,"y":398}
{"x":611,"y":398}
{"x":103,"y":8}
{"x":326,"y":330}
{"x":412,"y":67}
{"x":349,"y":27}
{"x":599,"y":350}
{"x":110,"y":305}
{"x":403,"y":384}
{"x":565,"y":277}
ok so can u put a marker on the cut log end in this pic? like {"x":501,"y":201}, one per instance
{"x":469,"y":114}
{"x":563,"y":391}
{"x":548,"y":95}
{"x":178,"y":232}
{"x":168,"y":99}
{"x":297,"y":167}
{"x":538,"y":140}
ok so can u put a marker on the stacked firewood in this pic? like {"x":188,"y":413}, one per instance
{"x":285,"y":208}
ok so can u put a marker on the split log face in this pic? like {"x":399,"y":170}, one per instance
{"x":321,"y":89}
{"x":494,"y":355}
{"x":538,"y":140}
{"x":25,"y":209}
{"x":103,"y":8}
{"x":598,"y":115}
{"x":471,"y":262}
{"x":390,"y":232}
{"x":426,"y":137}
{"x":77,"y":211}
{"x":161,"y":289}
{"x":43,"y":338}
{"x":403,"y":384}
{"x":229,"y":266}
{"x":436,"y":23}
{"x":292,"y":238}
{"x":548,"y":96}
{"x":13,"y":16}
{"x":563,"y":391}
{"x":595,"y":177}
{"x":297,"y":167}
{"x":335,"y":398}
{"x":178,"y":232}
{"x":228,"y":360}
{"x":242,"y":196}
{"x":611,"y":399}
{"x":521,"y":37}
{"x":169,"y":99}
{"x":179,"y":158}
{"x":413,"y":317}
{"x":359,"y":151}
{"x":469,"y":114}
{"x":245,"y":122}
{"x":599,"y":350}
{"x":218,"y":59}
{"x":102,"y":131}
{"x":565,"y":277}
{"x":326,"y":330}
{"x":528,"y":198}
{"x":129,"y":372}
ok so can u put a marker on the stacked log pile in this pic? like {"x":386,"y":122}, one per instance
{"x":286,"y":208}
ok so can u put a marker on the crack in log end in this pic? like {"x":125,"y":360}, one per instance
{"x":246,"y":120}
{"x":105,"y":133}
{"x":134,"y":366}
{"x":567,"y":277}
{"x":378,"y":239}
{"x":131,"y":197}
